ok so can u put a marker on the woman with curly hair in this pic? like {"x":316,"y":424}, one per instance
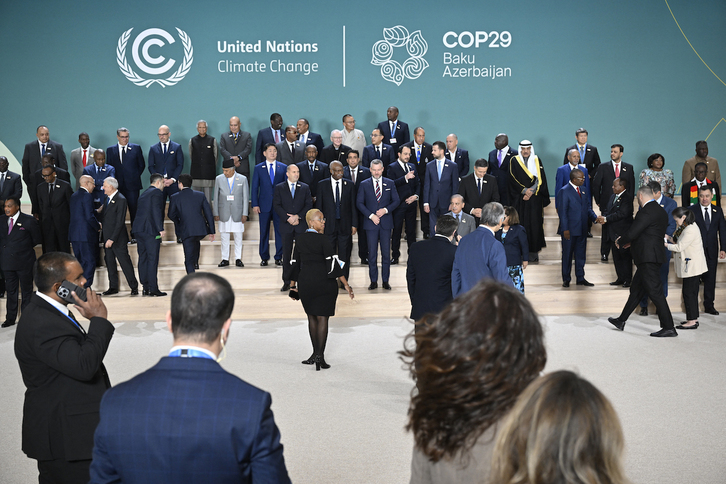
{"x":470,"y":363}
{"x":562,"y":430}
{"x":656,"y":172}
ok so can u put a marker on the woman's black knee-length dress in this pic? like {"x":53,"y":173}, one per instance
{"x":316,"y":270}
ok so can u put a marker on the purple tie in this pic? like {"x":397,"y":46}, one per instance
{"x":10,"y":227}
{"x":499,"y":157}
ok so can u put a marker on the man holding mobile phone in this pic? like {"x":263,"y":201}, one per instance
{"x":62,"y":367}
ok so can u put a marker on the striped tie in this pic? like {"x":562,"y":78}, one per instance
{"x":378,"y":190}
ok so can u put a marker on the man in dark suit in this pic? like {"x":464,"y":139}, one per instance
{"x":128,"y":162}
{"x":336,"y":150}
{"x":60,"y":173}
{"x":83,"y":228}
{"x":166,"y":158}
{"x":307,"y":137}
{"x":149,"y":229}
{"x":357,"y":174}
{"x":271,"y":134}
{"x":291,"y":202}
{"x":99,"y":171}
{"x":617,"y":219}
{"x":574,"y":210}
{"x":690,"y":191}
{"x":588,"y":153}
{"x":193,"y":218}
{"x":645,"y":239}
{"x":480,"y":255}
{"x":378,"y":150}
{"x":62,"y":368}
{"x":236,"y":145}
{"x":267,"y":175}
{"x":313,"y":171}
{"x":405,"y":178}
{"x":499,"y":159}
{"x":376,"y":200}
{"x":336,"y":199}
{"x":428,"y":273}
{"x":420,"y":156}
{"x":478,"y":189}
{"x":710,"y":220}
{"x":290,"y":151}
{"x":33,"y":153}
{"x":236,"y":442}
{"x":115,"y":238}
{"x":395,"y":133}
{"x":442,"y":181}
{"x":456,"y":154}
{"x":19,"y":234}
{"x":54,"y":202}
{"x":602,"y":182}
{"x":10,"y":184}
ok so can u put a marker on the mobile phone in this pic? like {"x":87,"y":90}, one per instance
{"x":65,"y":290}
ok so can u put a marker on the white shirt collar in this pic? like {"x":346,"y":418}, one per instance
{"x":573,"y":186}
{"x":110,"y":197}
{"x":120,"y":147}
{"x":60,"y":307}
{"x":15,"y":218}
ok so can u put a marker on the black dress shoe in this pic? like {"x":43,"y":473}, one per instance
{"x":664,"y":333}
{"x":309,"y":361}
{"x":278,"y":262}
{"x":618,"y":323}
{"x":135,"y":292}
{"x":604,"y":258}
{"x":196,"y":266}
{"x":589,"y":235}
{"x":132,"y":241}
{"x":178,"y":240}
{"x":285,"y":287}
{"x":110,"y":292}
{"x":425,"y":236}
{"x":616,"y":283}
{"x":364,"y":262}
{"x":711,"y":311}
{"x":145,"y":292}
{"x":394,"y":261}
{"x":626,"y":284}
{"x":566,"y":284}
{"x":157,"y":293}
{"x":262,"y":263}
{"x":374,"y":285}
{"x":239,"y":263}
{"x":386,"y":286}
{"x":224,"y":263}
{"x":680,"y":326}
{"x":2,"y":294}
{"x":585,"y":282}
{"x":7,"y":324}
{"x":644,"y":311}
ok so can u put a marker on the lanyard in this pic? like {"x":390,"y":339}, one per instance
{"x":189,"y":353}
{"x":230,"y":182}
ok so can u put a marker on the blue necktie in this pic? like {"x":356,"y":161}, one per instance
{"x":440,"y":167}
{"x":292,"y":190}
{"x":272,"y":174}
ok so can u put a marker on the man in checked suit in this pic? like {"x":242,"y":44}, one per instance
{"x":54,"y":204}
{"x":395,"y":133}
{"x":81,"y":157}
{"x":290,"y":151}
{"x":442,"y":181}
{"x":376,"y":200}
{"x":236,"y":145}
{"x":149,"y":229}
{"x":405,"y":178}
{"x":267,"y":175}
{"x":291,"y":202}
{"x":617,"y":219}
{"x":231,"y":208}
{"x":336,"y":199}
{"x":167,"y":159}
{"x":10,"y":185}
{"x":128,"y":162}
{"x":499,"y":159}
{"x":710,"y":220}
{"x":33,"y":153}
{"x":83,"y":228}
{"x":420,"y":156}
{"x":312,"y":171}
{"x":478,"y":189}
{"x":115,"y":238}
{"x":192,"y":215}
{"x":62,"y":368}
{"x":356,"y":173}
{"x":237,"y":441}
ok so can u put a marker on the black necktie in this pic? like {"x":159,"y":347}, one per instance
{"x":706,"y":217}
{"x":337,"y":200}
{"x":50,"y":190}
{"x":478,"y":182}
{"x":2,"y":181}
{"x":124,"y":156}
{"x":378,"y":151}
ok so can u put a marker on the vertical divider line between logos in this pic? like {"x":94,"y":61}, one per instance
{"x":343,"y":55}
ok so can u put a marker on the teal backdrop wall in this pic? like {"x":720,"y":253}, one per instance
{"x":622,"y":69}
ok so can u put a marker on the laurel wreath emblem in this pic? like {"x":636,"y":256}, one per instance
{"x":169,"y":81}
{"x":392,"y":70}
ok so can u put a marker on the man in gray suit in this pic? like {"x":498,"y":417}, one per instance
{"x":290,"y":151}
{"x":231,"y":193}
{"x":237,"y":146}
{"x":466,"y":222}
{"x":81,"y":157}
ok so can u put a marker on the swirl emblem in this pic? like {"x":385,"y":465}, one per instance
{"x":132,"y":76}
{"x":397,"y":37}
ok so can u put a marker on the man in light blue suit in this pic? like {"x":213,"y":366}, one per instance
{"x":562,"y":177}
{"x":480,"y":255}
{"x":166,"y":158}
{"x":186,"y":419}
{"x":440,"y":183}
{"x":377,"y":198}
{"x":266,"y":175}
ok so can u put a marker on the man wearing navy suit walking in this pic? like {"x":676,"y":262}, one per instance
{"x":291,"y":202}
{"x":376,"y":200}
{"x":83,"y":228}
{"x":149,"y":229}
{"x":442,"y":181}
{"x":128,"y":162}
{"x":266,"y":176}
{"x":166,"y":158}
{"x":192,"y":215}
{"x":395,"y":133}
{"x":164,"y":415}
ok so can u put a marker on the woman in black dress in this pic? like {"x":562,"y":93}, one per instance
{"x":316,"y":267}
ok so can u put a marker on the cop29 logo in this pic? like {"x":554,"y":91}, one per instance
{"x":397,"y":37}
{"x":154,"y":66}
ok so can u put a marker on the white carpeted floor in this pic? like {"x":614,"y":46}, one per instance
{"x":346,"y":424}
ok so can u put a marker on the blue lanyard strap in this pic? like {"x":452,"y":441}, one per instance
{"x":189,"y":353}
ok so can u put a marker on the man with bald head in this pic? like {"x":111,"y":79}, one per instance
{"x":336,"y":151}
{"x":83,"y":228}
{"x":395,"y":132}
{"x":203,"y":153}
{"x":290,"y":151}
{"x":456,"y":154}
{"x":236,"y":145}
{"x":33,"y":153}
{"x":166,"y":158}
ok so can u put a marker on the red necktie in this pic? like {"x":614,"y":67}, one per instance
{"x":579,"y":192}
{"x":617,"y":170}
{"x":277,"y":137}
{"x":84,"y":158}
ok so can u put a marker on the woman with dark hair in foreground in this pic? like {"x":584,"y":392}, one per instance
{"x":470,"y":363}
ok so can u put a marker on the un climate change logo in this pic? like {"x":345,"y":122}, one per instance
{"x":392,"y":70}
{"x":141,"y":45}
